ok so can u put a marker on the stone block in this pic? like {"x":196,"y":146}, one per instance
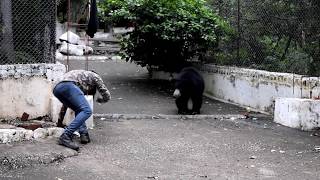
{"x":56,"y":106}
{"x":55,"y":131}
{"x":40,"y":133}
{"x":298,"y":113}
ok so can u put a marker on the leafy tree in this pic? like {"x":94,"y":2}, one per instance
{"x":167,"y":33}
{"x":107,"y":7}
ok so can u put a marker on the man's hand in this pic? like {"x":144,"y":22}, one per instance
{"x":104,"y":98}
{"x":176,"y":93}
{"x":60,"y":124}
{"x":101,"y":100}
{"x":62,"y":113}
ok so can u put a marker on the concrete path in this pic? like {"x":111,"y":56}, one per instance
{"x":138,"y":135}
{"x":134,"y":93}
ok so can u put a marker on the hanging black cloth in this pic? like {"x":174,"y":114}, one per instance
{"x":93,"y":21}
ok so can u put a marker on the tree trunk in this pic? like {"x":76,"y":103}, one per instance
{"x":287,"y":48}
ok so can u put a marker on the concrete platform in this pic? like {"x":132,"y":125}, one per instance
{"x":297,"y":113}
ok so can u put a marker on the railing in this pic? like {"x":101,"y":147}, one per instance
{"x":273,"y":35}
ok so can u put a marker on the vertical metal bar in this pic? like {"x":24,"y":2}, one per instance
{"x":68,"y":29}
{"x":7,"y":42}
{"x":239,"y":30}
{"x":310,"y":89}
{"x":293,"y":83}
{"x":55,"y":5}
{"x":87,"y":37}
{"x":301,"y":89}
{"x":87,"y":55}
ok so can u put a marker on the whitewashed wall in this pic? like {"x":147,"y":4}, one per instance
{"x":255,"y":88}
{"x":252,"y":88}
{"x":297,"y":113}
{"x":27,"y":88}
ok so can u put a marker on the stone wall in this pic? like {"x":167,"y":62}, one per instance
{"x":27,"y":88}
{"x":255,"y":88}
{"x":252,"y":88}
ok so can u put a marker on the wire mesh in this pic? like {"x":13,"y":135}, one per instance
{"x":27,"y":31}
{"x":273,"y":35}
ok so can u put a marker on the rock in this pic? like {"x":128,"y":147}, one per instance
{"x":69,"y":37}
{"x":40,"y":133}
{"x":24,"y":116}
{"x":114,"y":58}
{"x":55,"y":131}
{"x":76,"y":50}
{"x":15,"y":135}
{"x":7,"y":126}
{"x":28,"y":135}
{"x":59,"y":56}
{"x":253,"y":157}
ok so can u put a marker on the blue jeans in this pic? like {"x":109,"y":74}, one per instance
{"x":72,"y":97}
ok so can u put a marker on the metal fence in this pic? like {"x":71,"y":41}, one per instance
{"x":273,"y":35}
{"x":27,"y":31}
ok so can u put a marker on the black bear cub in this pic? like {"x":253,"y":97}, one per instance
{"x":189,"y":84}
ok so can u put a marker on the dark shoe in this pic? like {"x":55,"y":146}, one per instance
{"x":66,"y":141}
{"x":84,"y":138}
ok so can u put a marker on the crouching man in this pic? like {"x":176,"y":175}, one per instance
{"x":71,"y":91}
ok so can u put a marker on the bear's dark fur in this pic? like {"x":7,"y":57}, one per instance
{"x":191,"y":86}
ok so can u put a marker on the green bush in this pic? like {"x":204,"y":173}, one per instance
{"x":167,"y":33}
